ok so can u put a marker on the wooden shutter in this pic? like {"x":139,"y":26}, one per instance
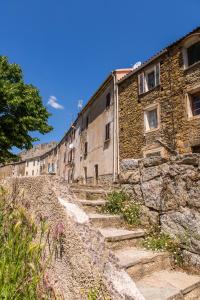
{"x":157,"y":72}
{"x":141,"y":83}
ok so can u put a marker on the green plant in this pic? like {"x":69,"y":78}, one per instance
{"x":160,"y":241}
{"x":120,"y":203}
{"x":22,"y":257}
{"x":131,"y":213}
{"x":115,"y":202}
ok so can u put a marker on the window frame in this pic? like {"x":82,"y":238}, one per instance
{"x":190,"y":41}
{"x":107,"y":132}
{"x":189,"y":110}
{"x":147,"y":109}
{"x":143,"y":78}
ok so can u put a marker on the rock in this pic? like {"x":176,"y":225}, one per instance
{"x":150,"y":173}
{"x":190,"y":159}
{"x":153,"y":161}
{"x":129,"y":164}
{"x":152,"y":193}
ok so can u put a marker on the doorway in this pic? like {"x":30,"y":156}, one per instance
{"x":85,"y":175}
{"x":96,"y":174}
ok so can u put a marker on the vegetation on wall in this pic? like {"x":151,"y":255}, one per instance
{"x":22,"y":254}
{"x":21,"y":111}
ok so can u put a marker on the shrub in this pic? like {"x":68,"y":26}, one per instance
{"x":115,"y":202}
{"x":21,"y":257}
{"x":131,"y":213}
{"x":160,"y":241}
{"x":120,"y":203}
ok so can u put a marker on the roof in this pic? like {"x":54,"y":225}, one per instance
{"x":161,"y":52}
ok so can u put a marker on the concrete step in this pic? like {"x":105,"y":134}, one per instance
{"x":89,"y":194}
{"x":104,"y":220}
{"x":119,"y":238}
{"x":140,"y":262}
{"x":92,"y":206}
{"x":170,"y":285}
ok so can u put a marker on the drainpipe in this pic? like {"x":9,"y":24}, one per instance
{"x":115,"y":137}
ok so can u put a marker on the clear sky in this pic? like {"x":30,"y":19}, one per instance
{"x":67,"y":48}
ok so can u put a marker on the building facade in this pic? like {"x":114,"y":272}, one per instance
{"x":150,"y":110}
{"x":159,"y":103}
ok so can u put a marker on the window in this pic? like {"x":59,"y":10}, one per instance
{"x":193,"y":53}
{"x":86,"y":149}
{"x":107,"y":133}
{"x":196,"y":149}
{"x":70,"y":156}
{"x":32,"y":172}
{"x":149,"y":79}
{"x":87,"y":122}
{"x":193,"y":104}
{"x":151,"y":118}
{"x":108,"y":100}
{"x":26,"y":173}
{"x":27,"y":163}
{"x":34,"y":163}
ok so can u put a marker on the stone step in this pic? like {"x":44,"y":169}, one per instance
{"x":104,"y":220}
{"x":92,"y":206}
{"x":141,"y":262}
{"x":89,"y":194}
{"x":119,"y":238}
{"x":170,"y":285}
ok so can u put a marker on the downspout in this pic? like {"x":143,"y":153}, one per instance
{"x":115,"y":136}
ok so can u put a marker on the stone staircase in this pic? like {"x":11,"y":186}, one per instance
{"x":151,"y":271}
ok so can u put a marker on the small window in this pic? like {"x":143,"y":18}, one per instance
{"x":195,"y":104}
{"x":193,"y":53}
{"x":149,"y":79}
{"x":107,"y":133}
{"x":86,"y":149}
{"x":151,"y":119}
{"x":32,"y":172}
{"x":108,"y":100}
{"x":26,"y":173}
{"x":27,"y":163}
{"x":70,"y":156}
{"x":34,"y":163}
{"x":196,"y":149}
{"x":87,"y":122}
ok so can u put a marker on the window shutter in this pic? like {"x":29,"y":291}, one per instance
{"x":157,"y":71}
{"x":141,"y":83}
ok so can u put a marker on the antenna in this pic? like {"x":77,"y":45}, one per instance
{"x":80,"y":105}
{"x":137,"y":65}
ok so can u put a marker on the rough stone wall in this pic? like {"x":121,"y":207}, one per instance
{"x":169,"y":191}
{"x":175,"y":129}
{"x":85,"y":262}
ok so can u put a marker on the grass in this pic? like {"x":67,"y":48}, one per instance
{"x":120,"y":203}
{"x":22,"y":263}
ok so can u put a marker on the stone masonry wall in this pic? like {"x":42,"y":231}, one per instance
{"x":84,"y":262}
{"x":176,"y":130}
{"x":169,"y":191}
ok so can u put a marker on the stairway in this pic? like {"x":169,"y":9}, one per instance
{"x":151,"y":271}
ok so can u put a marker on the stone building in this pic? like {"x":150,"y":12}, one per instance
{"x":159,"y":102}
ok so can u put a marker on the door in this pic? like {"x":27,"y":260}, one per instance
{"x":96,"y":174}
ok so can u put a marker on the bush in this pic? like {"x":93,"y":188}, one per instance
{"x":120,"y":203}
{"x":115,"y":202}
{"x":21,"y":270}
{"x":160,"y":241}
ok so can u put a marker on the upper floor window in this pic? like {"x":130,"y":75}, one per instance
{"x":108,"y":100}
{"x":87,"y":122}
{"x":193,"y":53}
{"x":193,"y":104}
{"x":151,"y":118}
{"x":107,"y":133}
{"x":86,"y":149}
{"x":149,"y":79}
{"x":191,"y":50}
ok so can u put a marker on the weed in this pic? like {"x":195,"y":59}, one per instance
{"x":120,"y":203}
{"x":160,"y":241}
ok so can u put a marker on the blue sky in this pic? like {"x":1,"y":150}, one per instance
{"x":67,"y":48}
